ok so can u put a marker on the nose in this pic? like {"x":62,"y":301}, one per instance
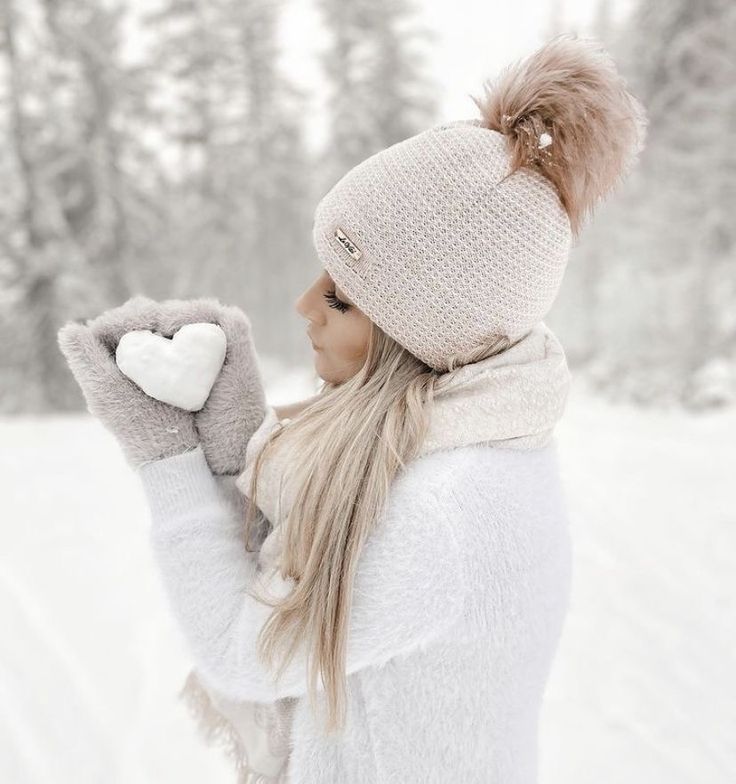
{"x":307,"y":306}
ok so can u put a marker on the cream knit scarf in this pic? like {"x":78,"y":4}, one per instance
{"x":511,"y":400}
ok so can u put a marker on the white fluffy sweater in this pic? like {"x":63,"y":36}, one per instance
{"x":458,"y":607}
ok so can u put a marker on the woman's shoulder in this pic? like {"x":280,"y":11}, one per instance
{"x":441,"y":502}
{"x":481,"y":485}
{"x":482,"y":464}
{"x":483,"y":501}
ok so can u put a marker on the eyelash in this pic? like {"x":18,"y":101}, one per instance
{"x":334,"y":302}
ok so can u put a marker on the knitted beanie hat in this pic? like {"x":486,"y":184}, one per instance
{"x":462,"y":233}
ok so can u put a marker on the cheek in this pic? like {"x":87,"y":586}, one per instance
{"x":348,"y":342}
{"x":354,"y":343}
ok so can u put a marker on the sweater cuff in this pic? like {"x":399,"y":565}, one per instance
{"x":177,"y":484}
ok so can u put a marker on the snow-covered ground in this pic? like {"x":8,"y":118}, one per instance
{"x":642,"y":690}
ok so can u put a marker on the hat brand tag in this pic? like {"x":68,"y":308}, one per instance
{"x":347,"y":243}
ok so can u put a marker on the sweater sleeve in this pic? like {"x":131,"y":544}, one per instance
{"x":409,"y":584}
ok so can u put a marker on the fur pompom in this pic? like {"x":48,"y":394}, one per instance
{"x":566,"y":112}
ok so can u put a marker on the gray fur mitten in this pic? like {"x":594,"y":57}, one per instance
{"x":236,"y":404}
{"x":146,"y":429}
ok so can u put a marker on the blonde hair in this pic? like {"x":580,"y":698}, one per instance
{"x":351,"y":441}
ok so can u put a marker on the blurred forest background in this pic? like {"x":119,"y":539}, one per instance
{"x":181,"y":168}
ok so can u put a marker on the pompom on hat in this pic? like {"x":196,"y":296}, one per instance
{"x":461,"y":233}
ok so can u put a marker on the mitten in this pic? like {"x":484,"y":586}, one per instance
{"x":236,"y":405}
{"x":146,"y":429}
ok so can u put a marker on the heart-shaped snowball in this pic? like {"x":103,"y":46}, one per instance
{"x":179,"y":370}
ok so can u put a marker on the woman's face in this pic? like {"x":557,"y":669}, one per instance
{"x":338,"y":330}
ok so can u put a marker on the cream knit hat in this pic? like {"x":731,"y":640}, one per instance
{"x":463,"y":231}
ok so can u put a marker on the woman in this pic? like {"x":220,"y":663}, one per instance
{"x":415,"y":571}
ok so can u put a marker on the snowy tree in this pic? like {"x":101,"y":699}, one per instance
{"x":177,"y":170}
{"x":63,"y":215}
{"x":238,"y":192}
{"x":276,"y":188}
{"x":180,"y":173}
{"x":659,"y":261}
{"x":682,"y":208}
{"x":379,"y":93}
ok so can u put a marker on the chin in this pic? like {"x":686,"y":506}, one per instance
{"x":319,"y":366}
{"x":325,"y":373}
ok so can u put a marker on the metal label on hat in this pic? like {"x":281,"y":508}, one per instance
{"x":347,"y":243}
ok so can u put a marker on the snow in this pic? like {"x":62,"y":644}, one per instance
{"x":179,"y":370}
{"x":641,"y":690}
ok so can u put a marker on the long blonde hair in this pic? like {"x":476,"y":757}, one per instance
{"x":351,"y":440}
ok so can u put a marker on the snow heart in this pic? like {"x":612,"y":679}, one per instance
{"x":179,"y":370}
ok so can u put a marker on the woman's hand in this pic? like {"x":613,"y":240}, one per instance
{"x":147,"y":429}
{"x":236,"y":404}
{"x":234,"y":408}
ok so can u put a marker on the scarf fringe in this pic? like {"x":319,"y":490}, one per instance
{"x":218,"y":731}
